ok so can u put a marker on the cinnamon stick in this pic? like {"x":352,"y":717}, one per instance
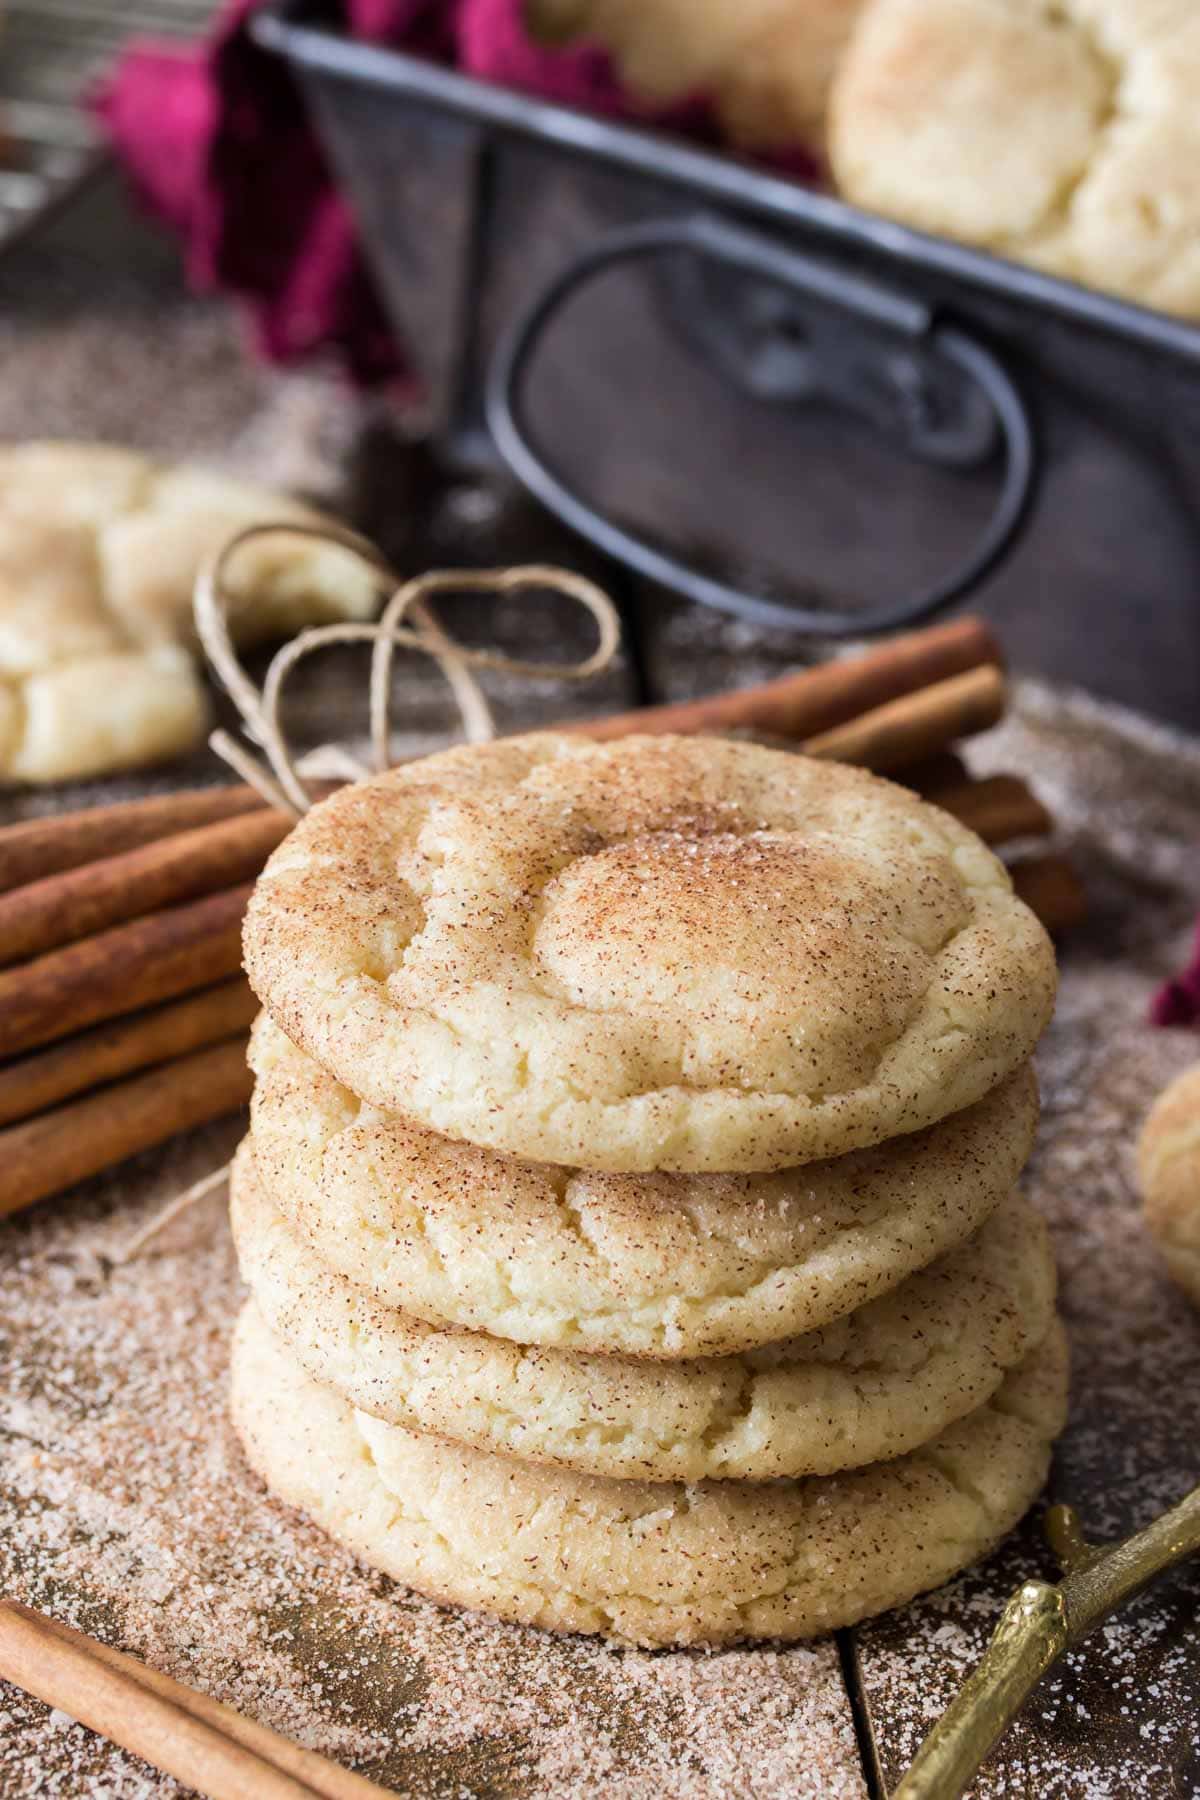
{"x":1051,"y":888}
{"x":39,"y":847}
{"x":998,"y":807}
{"x":918,"y":725}
{"x":204,"y":1744}
{"x":67,"y":1144}
{"x":118,"y":971}
{"x":75,"y":1064}
{"x":77,"y":903}
{"x":816,"y":700}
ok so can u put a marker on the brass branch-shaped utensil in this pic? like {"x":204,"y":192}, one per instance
{"x":1041,"y":1621}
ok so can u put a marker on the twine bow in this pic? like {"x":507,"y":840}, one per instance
{"x":408,"y":621}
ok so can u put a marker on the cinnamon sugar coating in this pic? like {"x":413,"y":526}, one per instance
{"x":645,"y":1265}
{"x":650,"y":1563}
{"x":867,"y":1388}
{"x":660,"y":953}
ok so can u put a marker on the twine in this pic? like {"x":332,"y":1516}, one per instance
{"x":408,"y":621}
{"x":174,"y":1208}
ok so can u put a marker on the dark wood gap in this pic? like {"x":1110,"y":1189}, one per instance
{"x":629,"y":597}
{"x":860,"y":1712}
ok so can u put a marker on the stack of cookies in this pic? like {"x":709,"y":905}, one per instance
{"x":628,"y":1211}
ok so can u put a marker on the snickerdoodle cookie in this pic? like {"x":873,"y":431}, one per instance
{"x":870,"y":1387}
{"x":643,"y":1265}
{"x":1062,"y":132}
{"x":1169,"y":1175}
{"x":658,"y":953}
{"x":99,"y":550}
{"x":650,"y":1563}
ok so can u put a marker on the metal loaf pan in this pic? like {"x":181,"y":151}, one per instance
{"x":766,"y":399}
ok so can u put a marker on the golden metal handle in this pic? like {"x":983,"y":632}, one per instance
{"x":1041,"y":1620}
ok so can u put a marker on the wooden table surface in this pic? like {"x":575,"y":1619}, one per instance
{"x":124,"y":1505}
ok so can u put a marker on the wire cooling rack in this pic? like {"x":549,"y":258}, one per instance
{"x":50,"y":50}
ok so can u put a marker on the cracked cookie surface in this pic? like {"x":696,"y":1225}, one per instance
{"x":654,"y":954}
{"x":644,"y":1562}
{"x":868,"y":1388}
{"x":644,"y":1265}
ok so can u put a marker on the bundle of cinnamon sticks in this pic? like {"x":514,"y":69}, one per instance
{"x":124,"y":1009}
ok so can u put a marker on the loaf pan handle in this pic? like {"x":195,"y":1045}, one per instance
{"x":757,"y":255}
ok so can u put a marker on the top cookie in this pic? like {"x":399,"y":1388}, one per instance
{"x":658,"y":953}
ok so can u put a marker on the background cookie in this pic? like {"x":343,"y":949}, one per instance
{"x":99,"y":550}
{"x":644,"y":1265}
{"x":657,"y":953}
{"x":870,"y":1387}
{"x":648,"y":1563}
{"x":1169,"y":1175}
{"x":1067,"y":135}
